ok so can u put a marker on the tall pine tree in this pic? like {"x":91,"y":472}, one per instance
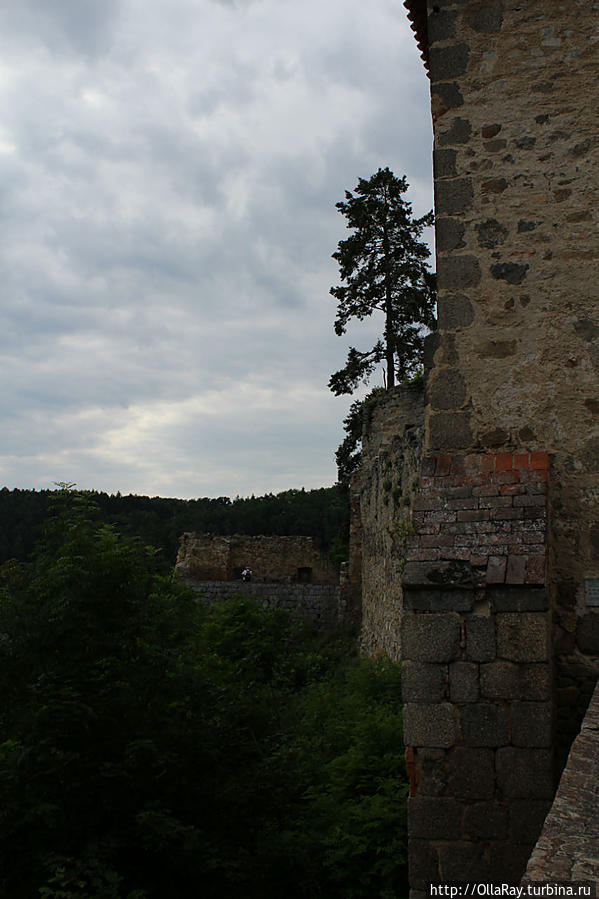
{"x":383,"y":268}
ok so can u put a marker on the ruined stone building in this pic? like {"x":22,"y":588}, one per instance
{"x":479,"y":535}
{"x":287,"y":572}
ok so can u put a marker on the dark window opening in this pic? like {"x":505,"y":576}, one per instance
{"x":304,"y":575}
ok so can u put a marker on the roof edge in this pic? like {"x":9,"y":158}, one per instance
{"x":417,"y":16}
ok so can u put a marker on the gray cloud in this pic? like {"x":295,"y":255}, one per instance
{"x":169,"y":177}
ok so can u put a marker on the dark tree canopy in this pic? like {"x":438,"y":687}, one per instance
{"x":383,"y":268}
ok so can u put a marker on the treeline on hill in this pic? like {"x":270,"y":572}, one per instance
{"x":152,"y":747}
{"x":322,"y":514}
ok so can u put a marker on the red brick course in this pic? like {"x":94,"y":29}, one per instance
{"x":490,"y":510}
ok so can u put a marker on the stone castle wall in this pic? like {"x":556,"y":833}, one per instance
{"x":207,"y":557}
{"x":499,"y":608}
{"x":516,"y":362}
{"x":317,"y":602}
{"x":391,"y":445}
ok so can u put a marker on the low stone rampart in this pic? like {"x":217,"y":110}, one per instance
{"x":568,"y":848}
{"x":317,"y":602}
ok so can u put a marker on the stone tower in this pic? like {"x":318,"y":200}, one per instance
{"x":500,"y":621}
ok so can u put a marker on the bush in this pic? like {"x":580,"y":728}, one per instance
{"x":153,"y":748}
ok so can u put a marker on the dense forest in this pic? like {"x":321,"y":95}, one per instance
{"x":151,"y":747}
{"x":322,"y":514}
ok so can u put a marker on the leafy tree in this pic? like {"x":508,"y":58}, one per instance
{"x":151,"y":747}
{"x":383,"y":267}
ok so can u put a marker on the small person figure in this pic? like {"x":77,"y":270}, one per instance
{"x":246,"y":574}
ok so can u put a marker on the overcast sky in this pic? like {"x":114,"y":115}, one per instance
{"x":169,"y":173}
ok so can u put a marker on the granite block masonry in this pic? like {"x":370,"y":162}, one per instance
{"x":477,"y":679}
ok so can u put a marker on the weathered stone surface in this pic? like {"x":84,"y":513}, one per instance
{"x":523,"y":637}
{"x":431,"y":637}
{"x":447,"y":96}
{"x":434,"y":725}
{"x":423,"y":863}
{"x":485,"y":724}
{"x":480,"y":639}
{"x":447,"y":63}
{"x":463,"y":682}
{"x":486,"y":821}
{"x":436,"y":600}
{"x":443,"y":575}
{"x":449,"y":234}
{"x":434,"y":818}
{"x":455,"y":311}
{"x":526,"y":819}
{"x":442,"y":25}
{"x":512,"y":272}
{"x":422,"y":682}
{"x":447,"y":391}
{"x":450,"y":431}
{"x":524,"y":773}
{"x":456,"y":272}
{"x":519,"y":599}
{"x":567,"y":848}
{"x":444,"y":161}
{"x":491,"y":233}
{"x":531,"y":724}
{"x":487,"y":18}
{"x":587,"y":633}
{"x":508,"y":680}
{"x":463,"y":862}
{"x":207,"y":557}
{"x":453,"y":196}
{"x":471,"y":773}
{"x":432,"y":772}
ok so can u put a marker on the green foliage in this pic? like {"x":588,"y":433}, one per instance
{"x":153,"y":748}
{"x":383,"y":267}
{"x":322,"y":514}
{"x":349,"y":451}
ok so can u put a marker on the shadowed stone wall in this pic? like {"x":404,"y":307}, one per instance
{"x":317,"y":602}
{"x":514,"y":377}
{"x":516,"y":360}
{"x":567,"y":847}
{"x":391,"y":449}
{"x":477,"y":678}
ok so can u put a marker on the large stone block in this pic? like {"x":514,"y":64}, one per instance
{"x":507,"y":680}
{"x":486,"y":821}
{"x":455,"y":311}
{"x":519,"y":599}
{"x":485,"y":724}
{"x":438,"y":600}
{"x":471,"y":773}
{"x":480,"y":639}
{"x":524,"y":773}
{"x":432,"y":771}
{"x":450,"y":431}
{"x":464,"y":861}
{"x":423,"y":861}
{"x":434,"y":725}
{"x":434,"y":818}
{"x":527,"y":817}
{"x":463,"y":682}
{"x":523,"y":637}
{"x":447,"y":63}
{"x":431,"y":637}
{"x":453,"y":196}
{"x":531,"y":724}
{"x":423,"y":682}
{"x":587,"y":633}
